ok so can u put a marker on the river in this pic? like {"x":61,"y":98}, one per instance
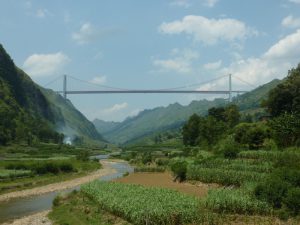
{"x":19,"y":207}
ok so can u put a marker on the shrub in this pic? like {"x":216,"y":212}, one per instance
{"x":273,"y":190}
{"x":229,"y":148}
{"x":83,"y":155}
{"x":292,"y":200}
{"x":179,"y":169}
{"x":270,"y":145}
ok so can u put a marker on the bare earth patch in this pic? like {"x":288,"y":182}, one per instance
{"x":106,"y":170}
{"x":165,"y":180}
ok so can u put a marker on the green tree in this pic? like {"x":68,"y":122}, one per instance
{"x":285,"y":98}
{"x":190,"y":130}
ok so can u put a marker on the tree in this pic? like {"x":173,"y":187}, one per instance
{"x":251,"y":135}
{"x":285,"y":98}
{"x":190,"y":130}
{"x":286,"y":129}
{"x":232,"y":115}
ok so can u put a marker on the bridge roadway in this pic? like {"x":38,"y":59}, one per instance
{"x":150,"y":92}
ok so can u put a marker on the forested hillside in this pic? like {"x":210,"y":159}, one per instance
{"x":173,"y":116}
{"x":29,"y":112}
{"x":24,"y":111}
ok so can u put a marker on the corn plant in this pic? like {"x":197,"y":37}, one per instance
{"x":141,"y":205}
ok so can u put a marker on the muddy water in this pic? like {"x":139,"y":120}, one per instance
{"x":20,"y":207}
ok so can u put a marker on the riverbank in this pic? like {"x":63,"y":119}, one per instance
{"x":34,"y":219}
{"x":106,"y":170}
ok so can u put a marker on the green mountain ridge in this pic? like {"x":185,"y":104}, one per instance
{"x":72,"y":122}
{"x":27,"y":109}
{"x":159,"y":119}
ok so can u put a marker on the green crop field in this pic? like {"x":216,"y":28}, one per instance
{"x":141,"y":205}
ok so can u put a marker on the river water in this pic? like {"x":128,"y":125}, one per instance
{"x":20,"y":207}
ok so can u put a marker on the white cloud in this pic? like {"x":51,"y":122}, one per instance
{"x":115,"y":108}
{"x":274,"y":63}
{"x":213,"y":65}
{"x":291,"y":22}
{"x":90,"y":33}
{"x":45,"y":64}
{"x":180,"y":61}
{"x":295,"y":1}
{"x":99,"y":80}
{"x":181,"y":3}
{"x":86,"y":34}
{"x":209,"y":31}
{"x":117,"y":112}
{"x":210,"y":3}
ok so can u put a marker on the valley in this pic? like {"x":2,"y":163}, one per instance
{"x":177,"y":112}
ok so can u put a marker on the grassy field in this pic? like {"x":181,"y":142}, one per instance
{"x":23,"y":167}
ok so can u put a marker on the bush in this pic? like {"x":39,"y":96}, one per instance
{"x":273,"y":190}
{"x":292,"y":200}
{"x":229,"y":148}
{"x":83,"y":155}
{"x":179,"y":169}
{"x":270,"y":145}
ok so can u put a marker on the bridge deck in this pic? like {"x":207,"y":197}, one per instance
{"x":150,"y":92}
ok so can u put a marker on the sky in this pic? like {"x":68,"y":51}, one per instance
{"x":157,"y":44}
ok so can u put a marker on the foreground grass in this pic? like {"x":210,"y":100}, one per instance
{"x":80,"y":210}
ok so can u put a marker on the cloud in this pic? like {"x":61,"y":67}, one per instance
{"x":45,"y":64}
{"x":295,"y":1}
{"x":209,"y":31}
{"x":274,"y":63}
{"x":115,"y":108}
{"x":180,"y":62}
{"x":181,"y":3}
{"x":213,"y":65}
{"x":210,"y":3}
{"x":89,"y":33}
{"x":86,"y":34}
{"x":291,"y":22}
{"x":99,"y":80}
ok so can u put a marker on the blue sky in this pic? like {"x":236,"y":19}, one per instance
{"x":150,"y":44}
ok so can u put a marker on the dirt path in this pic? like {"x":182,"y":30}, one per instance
{"x":106,"y":170}
{"x":34,"y":219}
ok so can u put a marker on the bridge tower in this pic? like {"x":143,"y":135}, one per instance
{"x":230,"y":88}
{"x":65,"y":87}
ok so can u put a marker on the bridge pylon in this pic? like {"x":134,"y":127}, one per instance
{"x":65,"y":87}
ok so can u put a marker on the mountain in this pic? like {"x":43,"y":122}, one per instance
{"x":28,"y":111}
{"x":104,"y":127}
{"x":149,"y":122}
{"x":69,"y":121}
{"x":24,"y":111}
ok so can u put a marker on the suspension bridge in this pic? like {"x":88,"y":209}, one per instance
{"x":176,"y":90}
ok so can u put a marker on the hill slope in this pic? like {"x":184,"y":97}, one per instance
{"x":27,"y":109}
{"x":70,"y":121}
{"x":173,"y":116}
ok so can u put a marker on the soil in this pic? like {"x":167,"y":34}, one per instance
{"x":165,"y":180}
